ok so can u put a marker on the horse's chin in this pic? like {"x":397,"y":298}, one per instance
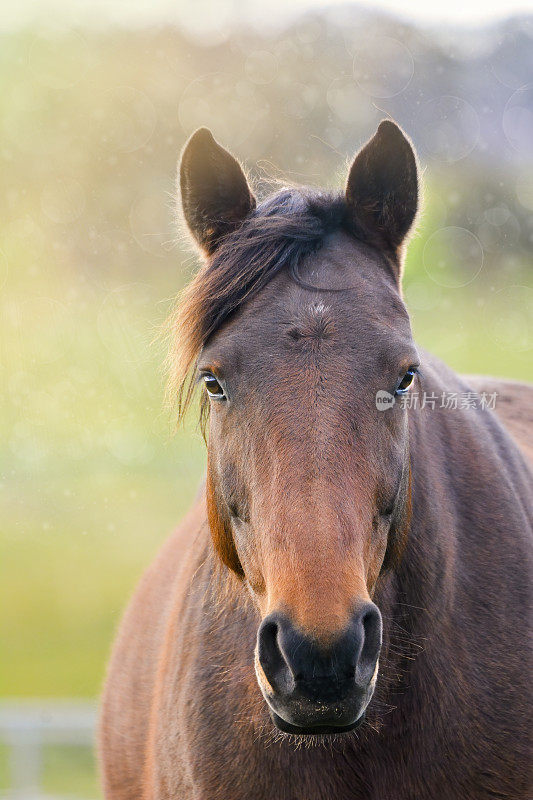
{"x":314,"y":730}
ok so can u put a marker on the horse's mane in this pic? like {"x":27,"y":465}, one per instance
{"x":282,"y":230}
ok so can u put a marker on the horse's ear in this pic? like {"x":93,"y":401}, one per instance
{"x":382,"y":189}
{"x":215,"y":195}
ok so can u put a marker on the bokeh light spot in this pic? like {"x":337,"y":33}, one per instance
{"x":63,"y":200}
{"x":383,"y":66}
{"x":453,"y":256}
{"x":449,"y":128}
{"x":518,"y":122}
{"x":509,"y":318}
{"x":231,"y":106}
{"x":125,"y":120}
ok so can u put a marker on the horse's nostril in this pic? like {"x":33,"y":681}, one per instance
{"x":271,"y":658}
{"x":371,"y":625}
{"x":266,"y":642}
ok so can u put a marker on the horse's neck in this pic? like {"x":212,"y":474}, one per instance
{"x":469,"y":484}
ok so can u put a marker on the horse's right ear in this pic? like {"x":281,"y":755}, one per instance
{"x":382,"y":189}
{"x":215,"y":195}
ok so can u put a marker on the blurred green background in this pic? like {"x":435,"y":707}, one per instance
{"x":93,"y":475}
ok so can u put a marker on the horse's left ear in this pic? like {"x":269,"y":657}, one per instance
{"x":382,"y":189}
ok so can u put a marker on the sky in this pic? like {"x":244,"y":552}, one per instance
{"x":195,"y":12}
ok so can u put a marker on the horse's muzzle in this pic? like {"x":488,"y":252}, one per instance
{"x":312,"y":689}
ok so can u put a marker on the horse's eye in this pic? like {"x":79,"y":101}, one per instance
{"x":406,"y":381}
{"x":214,"y":389}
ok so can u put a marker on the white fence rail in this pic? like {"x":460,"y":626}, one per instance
{"x":27,"y":727}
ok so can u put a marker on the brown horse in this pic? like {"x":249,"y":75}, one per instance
{"x":346,"y":610}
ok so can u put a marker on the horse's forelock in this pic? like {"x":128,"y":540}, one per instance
{"x":277,"y":235}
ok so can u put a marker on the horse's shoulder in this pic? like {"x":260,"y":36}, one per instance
{"x":132,"y":673}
